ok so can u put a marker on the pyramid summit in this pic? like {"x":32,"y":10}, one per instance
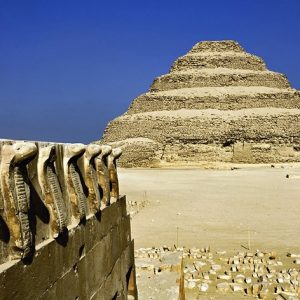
{"x":218,"y":103}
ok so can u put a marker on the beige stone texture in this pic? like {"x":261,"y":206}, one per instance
{"x":92,"y":265}
{"x":72,"y":179}
{"x":16,"y":196}
{"x":112,"y":171}
{"x":54,"y":244}
{"x":88,"y":170}
{"x":46,"y":183}
{"x":217,"y":104}
{"x":103,"y":174}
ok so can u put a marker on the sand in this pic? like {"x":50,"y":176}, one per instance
{"x":225,"y":209}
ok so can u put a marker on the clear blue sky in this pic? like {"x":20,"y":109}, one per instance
{"x":68,"y":67}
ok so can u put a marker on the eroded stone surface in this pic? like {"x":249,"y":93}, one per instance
{"x":65,"y":188}
{"x":45,"y":252}
{"x":72,"y":177}
{"x":16,"y":196}
{"x":47,"y":183}
{"x":103,"y":174}
{"x":222,"y":283}
{"x":87,"y":166}
{"x":217,"y":104}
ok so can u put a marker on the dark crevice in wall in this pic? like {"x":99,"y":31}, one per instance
{"x":228,"y":143}
{"x":63,"y":238}
{"x":4,"y":231}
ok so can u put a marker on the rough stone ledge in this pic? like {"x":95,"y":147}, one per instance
{"x":84,"y":263}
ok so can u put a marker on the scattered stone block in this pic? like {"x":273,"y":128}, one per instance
{"x":293,"y":255}
{"x":216,"y":267}
{"x":297,"y":261}
{"x":280,"y":280}
{"x":255,"y":289}
{"x":233,"y":268}
{"x":239,"y":278}
{"x":260,"y":254}
{"x":263,"y":292}
{"x":199,"y":264}
{"x":203,"y":287}
{"x":248,"y":280}
{"x":224,"y":277}
{"x":191,"y":284}
{"x":236,"y":287}
{"x":223,"y":287}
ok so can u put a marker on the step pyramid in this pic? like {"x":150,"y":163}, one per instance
{"x":218,"y":103}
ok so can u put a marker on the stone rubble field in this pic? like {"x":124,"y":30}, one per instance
{"x":217,"y":274}
{"x":226,"y":209}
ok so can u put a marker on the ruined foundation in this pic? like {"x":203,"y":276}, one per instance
{"x":62,"y":235}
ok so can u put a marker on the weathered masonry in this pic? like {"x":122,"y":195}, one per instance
{"x":64,"y":229}
{"x":218,"y":103}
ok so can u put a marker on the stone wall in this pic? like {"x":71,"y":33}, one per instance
{"x":260,"y":137}
{"x":64,"y":228}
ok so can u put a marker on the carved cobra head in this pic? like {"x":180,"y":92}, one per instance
{"x":105,"y":150}
{"x":23,"y":151}
{"x":92,"y":150}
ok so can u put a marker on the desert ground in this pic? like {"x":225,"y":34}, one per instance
{"x":231,"y":210}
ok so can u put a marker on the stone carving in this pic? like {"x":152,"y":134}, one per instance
{"x":64,"y":183}
{"x":218,"y":103}
{"x":103,"y":175}
{"x":16,"y":195}
{"x":87,"y":167}
{"x":72,"y":177}
{"x":51,"y":189}
{"x":45,"y":190}
{"x":113,"y":175}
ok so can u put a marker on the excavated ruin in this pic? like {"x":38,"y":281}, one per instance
{"x":218,"y":103}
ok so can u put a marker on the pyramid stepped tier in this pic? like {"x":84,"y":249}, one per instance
{"x":230,"y":60}
{"x":210,"y":134}
{"x":209,"y":125}
{"x":218,"y":104}
{"x":217,"y":46}
{"x":233,"y":97}
{"x":219,"y":77}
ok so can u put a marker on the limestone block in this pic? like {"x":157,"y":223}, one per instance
{"x":297,"y":261}
{"x":203,"y":287}
{"x":223,"y":287}
{"x":256,"y":287}
{"x":236,"y":287}
{"x":224,"y":277}
{"x":222,"y":77}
